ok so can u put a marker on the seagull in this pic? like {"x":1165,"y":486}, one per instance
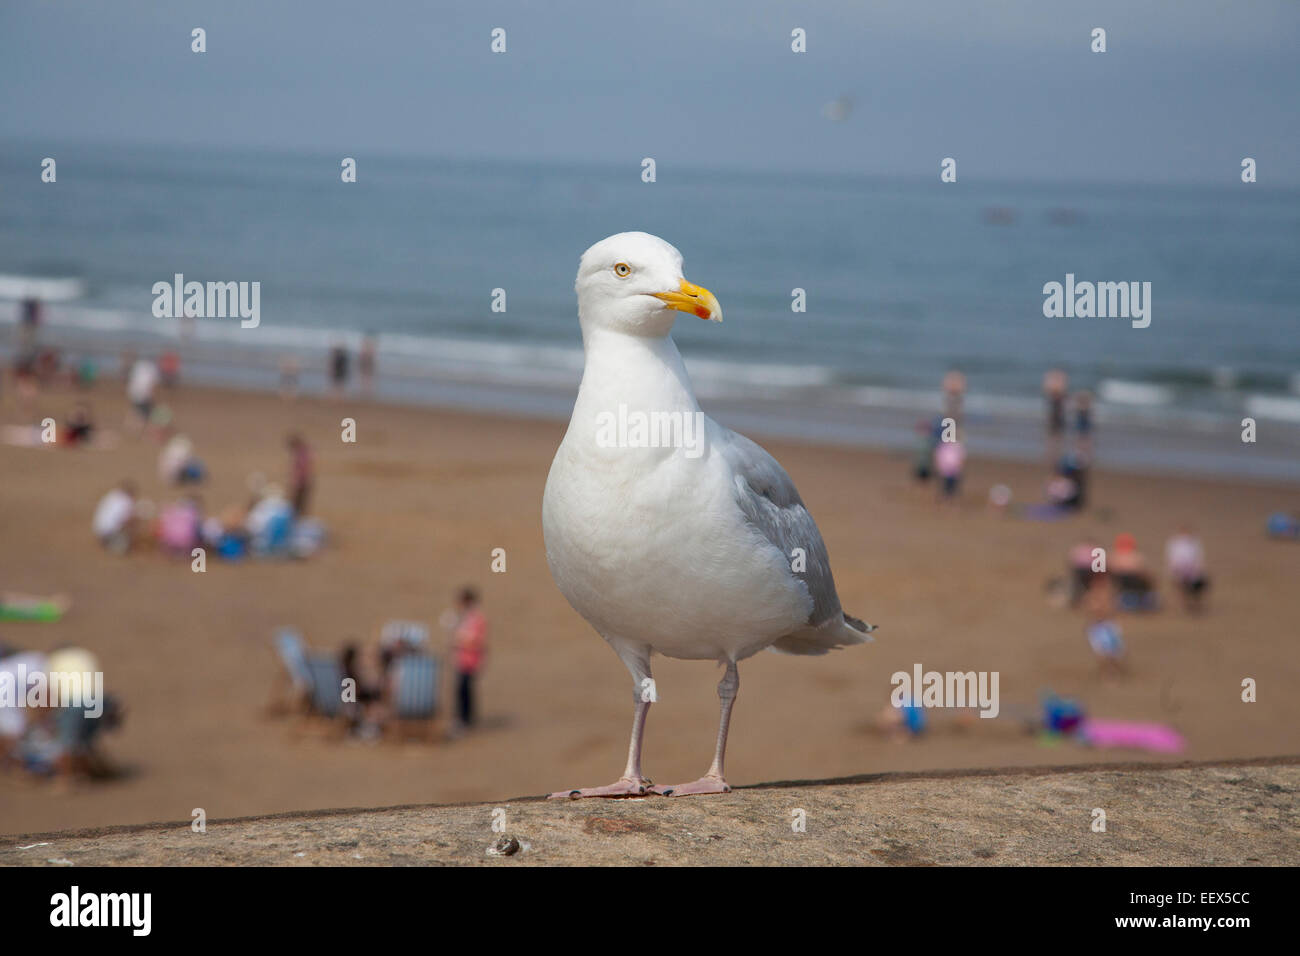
{"x":667,"y":532}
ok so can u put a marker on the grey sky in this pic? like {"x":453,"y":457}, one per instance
{"x":1011,"y":89}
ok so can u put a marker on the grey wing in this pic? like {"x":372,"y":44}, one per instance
{"x":771,"y":504}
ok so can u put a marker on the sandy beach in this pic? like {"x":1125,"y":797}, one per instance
{"x":414,"y":510}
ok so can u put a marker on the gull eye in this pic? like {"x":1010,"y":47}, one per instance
{"x":622,"y":270}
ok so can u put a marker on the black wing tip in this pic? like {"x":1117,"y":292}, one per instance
{"x":858,"y":624}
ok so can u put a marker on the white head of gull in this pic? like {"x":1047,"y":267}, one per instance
{"x":668,"y":532}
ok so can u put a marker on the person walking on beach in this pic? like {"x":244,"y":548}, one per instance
{"x":338,"y":368}
{"x":140,"y":387}
{"x":469,"y":647}
{"x":1083,"y":426}
{"x":29,"y":326}
{"x":954,"y":395}
{"x":1056,"y":385}
{"x":366,"y":365}
{"x":302,"y":474}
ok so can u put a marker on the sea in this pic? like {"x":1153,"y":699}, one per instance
{"x":901,"y":281}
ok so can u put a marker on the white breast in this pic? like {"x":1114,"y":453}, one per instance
{"x":649,"y":546}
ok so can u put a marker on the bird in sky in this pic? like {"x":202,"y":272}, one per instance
{"x":668,"y":532}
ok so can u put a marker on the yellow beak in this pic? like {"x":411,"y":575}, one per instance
{"x":694,"y":299}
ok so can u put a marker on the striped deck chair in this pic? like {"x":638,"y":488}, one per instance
{"x":415,"y":691}
{"x":326,"y":685}
{"x":291,"y":687}
{"x":292,"y":652}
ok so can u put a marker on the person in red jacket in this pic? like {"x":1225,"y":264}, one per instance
{"x":469,"y":647}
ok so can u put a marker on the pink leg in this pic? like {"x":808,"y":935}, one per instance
{"x":632,"y":783}
{"x":713,"y":781}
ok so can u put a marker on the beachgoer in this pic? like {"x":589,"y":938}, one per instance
{"x":1055,"y":387}
{"x":1185,"y":561}
{"x":270,"y":522}
{"x":928,"y":433}
{"x":177,"y":462}
{"x":1083,"y":425}
{"x":1104,"y":635}
{"x":81,"y":425}
{"x":368,"y":694}
{"x":949,"y":458}
{"x":1133,"y":580}
{"x":470,"y":647}
{"x":954,"y":394}
{"x":338,"y":368}
{"x":1080,"y":565}
{"x":29,"y":325}
{"x":114,"y":520}
{"x":302,"y":471}
{"x":366,"y":364}
{"x":18,"y":670}
{"x":289,"y":376}
{"x":79,"y":718}
{"x":140,"y":388}
{"x":169,"y":368}
{"x":179,"y":525}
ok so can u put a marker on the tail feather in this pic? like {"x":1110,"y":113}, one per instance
{"x":816,"y":641}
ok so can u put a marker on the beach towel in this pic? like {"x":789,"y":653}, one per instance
{"x":1156,"y":738}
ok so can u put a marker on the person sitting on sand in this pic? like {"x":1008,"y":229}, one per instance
{"x":81,"y":425}
{"x":270,"y":522}
{"x":1080,"y":569}
{"x":114,"y":522}
{"x":1133,"y":580}
{"x":1185,"y":561}
{"x":18,"y":669}
{"x":177,"y":463}
{"x":1066,"y":490}
{"x":78,"y":721}
{"x":178,"y":525}
{"x":1104,"y":635}
{"x":363,"y":711}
